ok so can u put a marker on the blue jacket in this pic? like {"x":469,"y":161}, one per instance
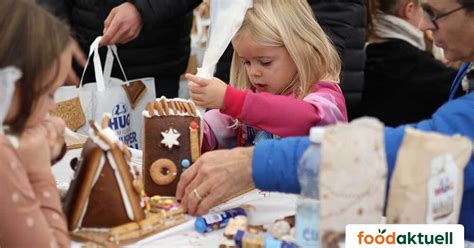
{"x":275,"y":161}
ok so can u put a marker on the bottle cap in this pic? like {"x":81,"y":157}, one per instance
{"x":271,"y":242}
{"x":200,"y":225}
{"x":316,"y":134}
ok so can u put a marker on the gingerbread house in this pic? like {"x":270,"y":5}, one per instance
{"x":102,"y":195}
{"x":171,"y":143}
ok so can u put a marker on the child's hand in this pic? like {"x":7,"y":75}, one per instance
{"x":41,"y":144}
{"x":34,"y":151}
{"x":207,"y":93}
{"x":55,"y":135}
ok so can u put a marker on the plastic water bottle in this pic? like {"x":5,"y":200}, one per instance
{"x":307,"y":210}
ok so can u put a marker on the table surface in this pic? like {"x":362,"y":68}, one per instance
{"x":268,"y":208}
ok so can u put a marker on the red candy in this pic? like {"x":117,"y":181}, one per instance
{"x":193,"y":125}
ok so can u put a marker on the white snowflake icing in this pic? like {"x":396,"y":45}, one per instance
{"x":170,"y":138}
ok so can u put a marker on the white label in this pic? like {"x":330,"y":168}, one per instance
{"x":442,"y":190}
{"x":213,"y":218}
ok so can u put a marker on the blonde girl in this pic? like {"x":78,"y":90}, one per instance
{"x":284,"y":79}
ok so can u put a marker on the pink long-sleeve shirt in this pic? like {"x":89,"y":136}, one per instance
{"x":279,"y":115}
{"x":30,"y":209}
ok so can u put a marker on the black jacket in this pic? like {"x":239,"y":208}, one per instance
{"x":403,"y":84}
{"x":344,"y":22}
{"x":163,"y":46}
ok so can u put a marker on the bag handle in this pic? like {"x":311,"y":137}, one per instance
{"x":109,"y":61}
{"x":102,"y":76}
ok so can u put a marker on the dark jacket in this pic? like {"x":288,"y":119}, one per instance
{"x":163,"y":46}
{"x":404,"y":84}
{"x":344,"y":22}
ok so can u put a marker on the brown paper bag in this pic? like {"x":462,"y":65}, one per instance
{"x":427,"y":182}
{"x":353,"y":178}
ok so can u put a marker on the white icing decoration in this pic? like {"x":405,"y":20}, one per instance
{"x":96,"y":177}
{"x":126,"y":200}
{"x":110,"y":134}
{"x":98,"y":141}
{"x":146,"y":114}
{"x":123,"y":191}
{"x":170,"y":138}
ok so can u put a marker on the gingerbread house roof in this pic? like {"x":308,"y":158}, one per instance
{"x":103,"y":178}
{"x":170,"y":107}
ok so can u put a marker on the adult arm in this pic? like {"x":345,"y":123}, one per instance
{"x":275,"y":163}
{"x":454,"y":117}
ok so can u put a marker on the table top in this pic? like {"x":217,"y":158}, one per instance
{"x":269,"y":206}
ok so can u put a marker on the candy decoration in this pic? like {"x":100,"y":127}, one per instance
{"x":185,"y":163}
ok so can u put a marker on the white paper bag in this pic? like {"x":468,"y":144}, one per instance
{"x":107,"y":95}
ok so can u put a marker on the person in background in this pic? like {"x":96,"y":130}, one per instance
{"x":153,"y":37}
{"x":403,"y":82}
{"x":344,"y":22}
{"x":271,"y":165}
{"x":284,"y":79}
{"x":30,"y":73}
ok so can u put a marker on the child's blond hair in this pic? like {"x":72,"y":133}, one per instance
{"x":290,"y":24}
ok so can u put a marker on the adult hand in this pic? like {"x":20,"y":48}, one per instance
{"x":123,"y":24}
{"x":81,"y":59}
{"x":207,"y":93}
{"x":214,"y":177}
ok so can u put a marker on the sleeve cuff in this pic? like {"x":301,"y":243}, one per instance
{"x":275,"y":163}
{"x":260,"y":163}
{"x":233,"y":102}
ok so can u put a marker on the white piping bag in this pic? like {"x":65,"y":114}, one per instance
{"x":8,"y":77}
{"x":226,"y":19}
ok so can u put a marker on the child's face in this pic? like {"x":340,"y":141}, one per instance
{"x":45,"y":103}
{"x":270,"y":69}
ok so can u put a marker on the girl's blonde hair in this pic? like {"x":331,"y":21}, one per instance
{"x":32,"y":40}
{"x":290,"y":24}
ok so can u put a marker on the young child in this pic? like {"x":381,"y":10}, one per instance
{"x":284,"y":78}
{"x":35,"y":57}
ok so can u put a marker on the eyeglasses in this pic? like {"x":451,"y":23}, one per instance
{"x":428,"y":11}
